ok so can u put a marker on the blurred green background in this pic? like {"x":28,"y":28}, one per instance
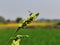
{"x":38,"y":36}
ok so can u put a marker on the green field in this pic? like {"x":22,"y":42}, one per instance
{"x":38,"y":36}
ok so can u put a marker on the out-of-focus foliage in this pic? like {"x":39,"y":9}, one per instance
{"x":38,"y":36}
{"x":2,"y":19}
{"x":48,"y":20}
{"x":58,"y":23}
{"x":18,"y":19}
{"x":50,"y":23}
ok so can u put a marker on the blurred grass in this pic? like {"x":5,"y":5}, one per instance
{"x":38,"y":24}
{"x":38,"y":36}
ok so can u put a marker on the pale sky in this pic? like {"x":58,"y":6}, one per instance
{"x":11,"y":9}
